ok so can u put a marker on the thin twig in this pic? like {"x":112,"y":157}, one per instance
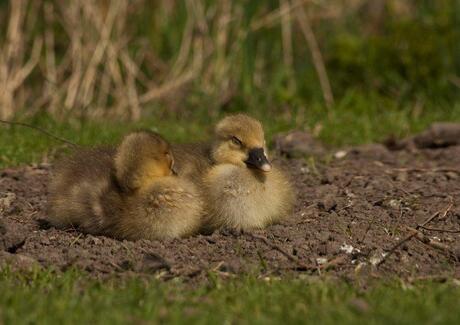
{"x":40,"y":130}
{"x":289,"y":256}
{"x":118,"y":267}
{"x":395,"y":247}
{"x":440,"y":230}
{"x":432,"y":170}
{"x":328,"y":265}
{"x":430,"y":242}
{"x":444,"y":214}
{"x":339,"y":260}
{"x":76,"y":239}
{"x":433,"y":216}
{"x":413,"y":232}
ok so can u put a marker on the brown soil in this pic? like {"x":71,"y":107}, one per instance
{"x":349,"y":213}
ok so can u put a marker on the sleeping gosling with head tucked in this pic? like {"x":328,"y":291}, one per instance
{"x":159,"y":204}
{"x":243,"y":190}
{"x":128,"y":193}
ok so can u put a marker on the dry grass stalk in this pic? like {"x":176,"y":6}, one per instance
{"x":14,"y":67}
{"x":286,"y":29}
{"x":92,"y":71}
{"x":273,"y":18}
{"x":317,"y":57}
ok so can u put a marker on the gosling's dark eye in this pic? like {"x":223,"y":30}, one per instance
{"x":237,"y":141}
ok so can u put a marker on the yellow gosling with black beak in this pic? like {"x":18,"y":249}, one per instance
{"x":129,"y":192}
{"x":193,"y":160}
{"x":243,"y":190}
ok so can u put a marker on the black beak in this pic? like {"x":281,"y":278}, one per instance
{"x":257,"y":159}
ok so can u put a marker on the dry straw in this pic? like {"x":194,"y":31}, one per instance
{"x":75,"y":57}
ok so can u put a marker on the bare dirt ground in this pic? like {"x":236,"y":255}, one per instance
{"x":370,"y":213}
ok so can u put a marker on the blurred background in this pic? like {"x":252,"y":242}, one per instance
{"x":349,"y":70}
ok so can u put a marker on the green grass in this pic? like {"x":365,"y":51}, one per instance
{"x":47,"y":298}
{"x":355,"y":119}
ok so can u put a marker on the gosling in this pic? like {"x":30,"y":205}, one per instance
{"x":243,"y":189}
{"x":129,"y":192}
{"x":159,"y":204}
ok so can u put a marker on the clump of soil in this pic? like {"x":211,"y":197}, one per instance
{"x":295,"y":144}
{"x":438,"y":135}
{"x":362,"y":214}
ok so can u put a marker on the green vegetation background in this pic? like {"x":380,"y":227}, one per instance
{"x":390,"y":76}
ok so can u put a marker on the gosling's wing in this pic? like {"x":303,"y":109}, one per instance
{"x":192,"y":160}
{"x":85,"y":163}
{"x":77,"y":184}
